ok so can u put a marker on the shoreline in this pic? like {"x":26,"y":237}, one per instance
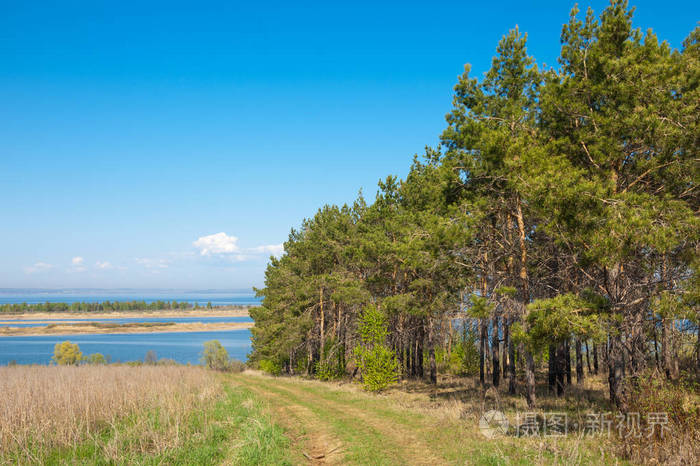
{"x":167,"y":327}
{"x":233,"y":312}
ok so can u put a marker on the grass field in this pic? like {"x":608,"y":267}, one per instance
{"x":132,"y":415}
{"x":340,"y":424}
{"x":187,"y":415}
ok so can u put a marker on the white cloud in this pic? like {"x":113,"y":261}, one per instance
{"x":38,"y":267}
{"x":273,"y":249}
{"x":223,"y":247}
{"x":78,"y":265}
{"x":104,"y":265}
{"x":218,"y":243}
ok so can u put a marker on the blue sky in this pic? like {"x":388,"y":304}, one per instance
{"x":174,"y":144}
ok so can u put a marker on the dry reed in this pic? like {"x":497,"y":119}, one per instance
{"x":44,"y":408}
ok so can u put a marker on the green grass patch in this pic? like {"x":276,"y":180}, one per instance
{"x":455,"y":441}
{"x":363,"y":444}
{"x":236,"y":429}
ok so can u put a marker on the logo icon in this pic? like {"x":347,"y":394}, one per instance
{"x":493,"y":423}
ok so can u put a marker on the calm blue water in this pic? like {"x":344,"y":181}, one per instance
{"x":121,"y":320}
{"x":183,"y":347}
{"x":217,"y":299}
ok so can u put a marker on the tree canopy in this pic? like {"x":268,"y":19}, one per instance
{"x":559,"y":212}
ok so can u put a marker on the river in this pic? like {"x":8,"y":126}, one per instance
{"x":183,"y":347}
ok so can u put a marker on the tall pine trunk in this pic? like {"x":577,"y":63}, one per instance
{"x":482,"y":352}
{"x":511,"y":366}
{"x":431,"y":355}
{"x":595,"y":358}
{"x":675,"y":368}
{"x":322,"y":332}
{"x":567,"y":353}
{"x":525,"y":299}
{"x":588,"y":358}
{"x":656,"y":346}
{"x":560,"y":363}
{"x":551,"y":369}
{"x":667,"y":353}
{"x":506,"y":338}
{"x":697,"y":349}
{"x":496,"y":372}
{"x":615,"y":368}
{"x":418,"y":352}
{"x":579,"y":362}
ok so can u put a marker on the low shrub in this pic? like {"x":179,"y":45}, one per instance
{"x":271,"y":367}
{"x":236,"y":366}
{"x":67,"y":354}
{"x":150,"y":357}
{"x":327,"y":371}
{"x":95,"y":358}
{"x":379,"y":367}
{"x":215,"y":356}
{"x":377,"y":362}
{"x":463,"y":359}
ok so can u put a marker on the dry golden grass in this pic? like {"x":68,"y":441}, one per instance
{"x":44,"y":408}
{"x":679,"y":442}
{"x":464,"y":398}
